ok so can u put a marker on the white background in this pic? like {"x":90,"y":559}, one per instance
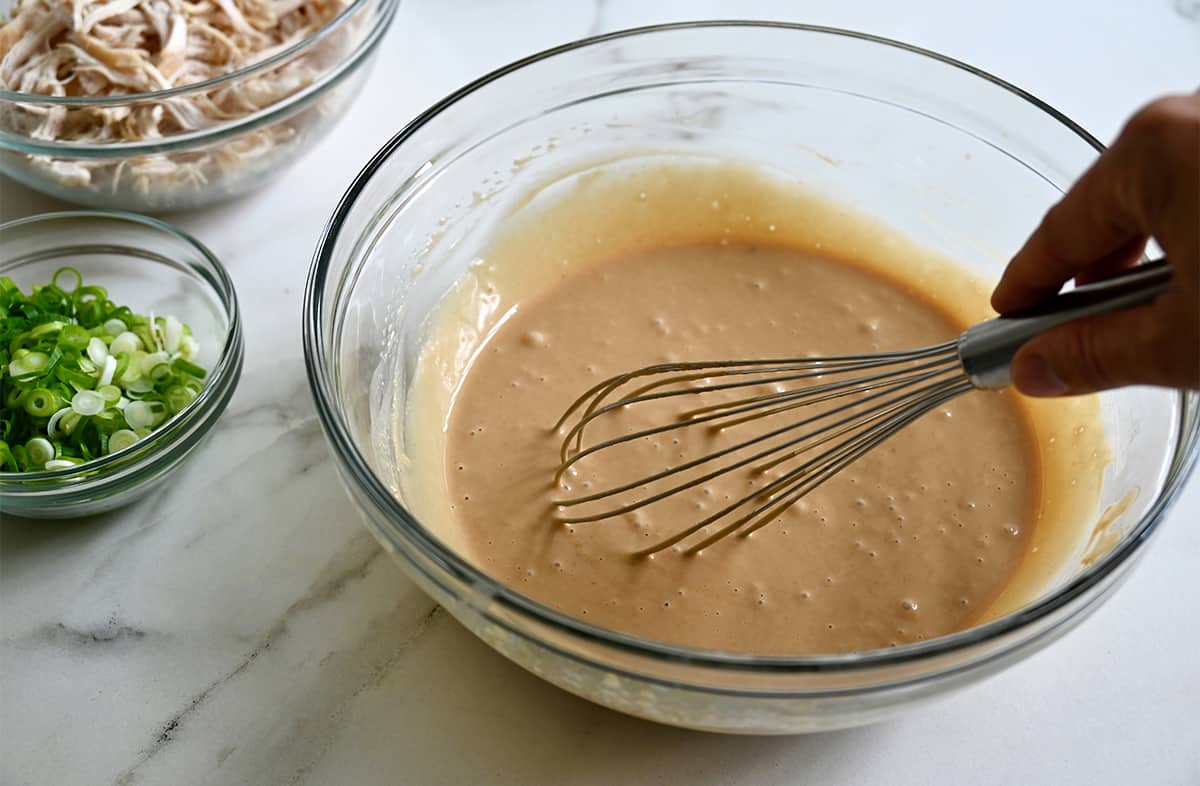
{"x":243,"y":628}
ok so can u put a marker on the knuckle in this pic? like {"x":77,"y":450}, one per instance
{"x":1162,"y":142}
{"x":1166,"y":118}
{"x":1166,"y":134}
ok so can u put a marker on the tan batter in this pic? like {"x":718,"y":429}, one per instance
{"x":918,"y":539}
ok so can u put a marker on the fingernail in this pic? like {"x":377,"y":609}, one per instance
{"x":1035,"y":376}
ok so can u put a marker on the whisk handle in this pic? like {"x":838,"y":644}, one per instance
{"x":987,"y":349}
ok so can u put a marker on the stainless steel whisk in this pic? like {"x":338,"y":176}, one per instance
{"x":874,"y":397}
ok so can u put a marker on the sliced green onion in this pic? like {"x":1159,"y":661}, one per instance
{"x":156,"y":338}
{"x":66,"y":271}
{"x":156,"y":366}
{"x":138,"y":415}
{"x":178,"y":397}
{"x":8,"y":461}
{"x":107,"y":420}
{"x":51,"y":299}
{"x":21,"y":455}
{"x":89,"y":313}
{"x":46,"y":328}
{"x":55,"y":419}
{"x":110,"y":368}
{"x":133,"y":372}
{"x":97,"y":351}
{"x":140,"y":387}
{"x":70,"y":422}
{"x":145,"y":414}
{"x":88,"y":294}
{"x":81,"y":376}
{"x":76,"y":379}
{"x":146,"y":337}
{"x":87,"y":402}
{"x":172,"y":333}
{"x":74,"y":336}
{"x":40,"y":450}
{"x":110,"y":393}
{"x":119,"y":440}
{"x":122,"y":365}
{"x":186,"y":367}
{"x":26,"y":363}
{"x":36,"y":361}
{"x":40,"y":402}
{"x":126,"y":342}
{"x":188,"y":347}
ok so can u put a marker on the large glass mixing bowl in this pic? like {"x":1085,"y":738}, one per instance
{"x":954,"y":158}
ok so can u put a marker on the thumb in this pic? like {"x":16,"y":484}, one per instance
{"x":1096,"y":353}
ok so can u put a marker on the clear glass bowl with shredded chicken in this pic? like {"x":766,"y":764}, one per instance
{"x":156,"y":105}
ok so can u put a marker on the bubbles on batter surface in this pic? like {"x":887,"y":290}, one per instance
{"x":535,"y":339}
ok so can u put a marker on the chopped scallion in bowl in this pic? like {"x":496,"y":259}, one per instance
{"x":82,"y":376}
{"x":120,"y":346}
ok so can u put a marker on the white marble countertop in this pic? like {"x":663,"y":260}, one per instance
{"x":243,"y":627}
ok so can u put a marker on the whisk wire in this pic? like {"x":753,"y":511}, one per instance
{"x":753,"y":405}
{"x":886,"y":391}
{"x":598,"y":392}
{"x":694,"y":417}
{"x":860,"y":446}
{"x":812,"y":395}
{"x":789,"y":488}
{"x":848,"y":423}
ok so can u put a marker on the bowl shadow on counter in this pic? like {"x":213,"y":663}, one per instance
{"x":452,"y":710}
{"x":524,"y":730}
{"x":18,"y":201}
{"x":25,"y":542}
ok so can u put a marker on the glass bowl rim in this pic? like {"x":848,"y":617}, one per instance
{"x":406,"y":525}
{"x":224,"y":372}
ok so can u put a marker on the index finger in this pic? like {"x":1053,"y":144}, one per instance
{"x":1100,"y":224}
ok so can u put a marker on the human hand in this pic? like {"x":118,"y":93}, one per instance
{"x":1147,"y":185}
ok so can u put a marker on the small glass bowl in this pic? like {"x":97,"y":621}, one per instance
{"x":148,"y":266}
{"x":954,"y":158}
{"x":316,"y":79}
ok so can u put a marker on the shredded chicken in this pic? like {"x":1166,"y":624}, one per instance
{"x":121,"y":47}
